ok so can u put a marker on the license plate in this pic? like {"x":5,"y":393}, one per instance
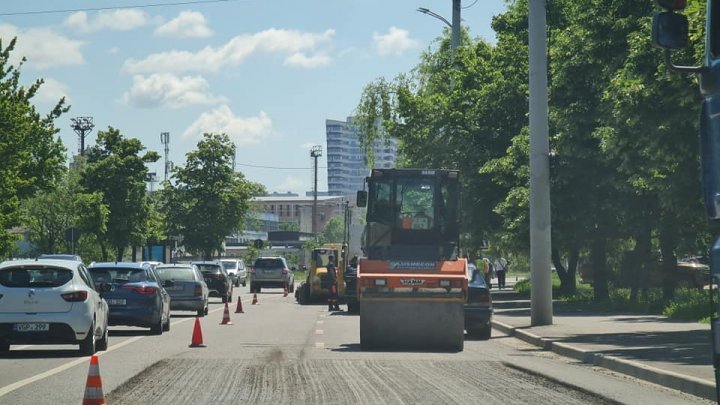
{"x":31,"y":327}
{"x":116,"y":301}
{"x":174,"y":288}
{"x":269,"y":271}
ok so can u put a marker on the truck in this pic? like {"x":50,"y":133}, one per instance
{"x":411,"y":282}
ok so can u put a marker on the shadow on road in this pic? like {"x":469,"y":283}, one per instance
{"x":40,"y":354}
{"x":131,"y":332}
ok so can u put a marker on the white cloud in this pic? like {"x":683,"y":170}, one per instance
{"x":52,"y":91}
{"x":42,"y":47}
{"x":291,"y":183}
{"x":233,"y":53}
{"x":114,"y":20}
{"x":241,"y":130}
{"x":188,"y":24}
{"x":168,"y":90}
{"x":299,"y":59}
{"x":395,"y":42}
{"x":114,"y":50}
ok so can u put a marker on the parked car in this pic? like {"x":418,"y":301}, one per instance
{"x":478,"y":307}
{"x":189,"y":291}
{"x":271,"y":272}
{"x":236,"y":270}
{"x":137,"y":296}
{"x":217,"y":279}
{"x":60,"y":256}
{"x":51,"y":301}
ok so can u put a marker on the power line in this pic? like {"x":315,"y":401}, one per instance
{"x":74,"y":10}
{"x":475,"y":2}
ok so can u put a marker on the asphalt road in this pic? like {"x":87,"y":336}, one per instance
{"x":279,"y":351}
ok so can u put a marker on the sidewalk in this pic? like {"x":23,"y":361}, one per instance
{"x":674,"y":354}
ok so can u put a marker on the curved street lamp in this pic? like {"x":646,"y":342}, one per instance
{"x":433,"y":14}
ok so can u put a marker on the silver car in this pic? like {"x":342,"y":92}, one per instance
{"x":272,"y":271}
{"x":236,"y":269}
{"x":189,"y":291}
{"x":51,"y":301}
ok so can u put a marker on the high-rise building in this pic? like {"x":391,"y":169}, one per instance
{"x":347,"y":164}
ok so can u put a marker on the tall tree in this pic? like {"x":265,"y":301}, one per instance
{"x":116,"y":169}
{"x":208,"y":201}
{"x":31,"y":158}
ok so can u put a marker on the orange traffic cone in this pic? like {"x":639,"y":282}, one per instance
{"x":93,"y":387}
{"x":285,"y":292}
{"x":254,"y":301}
{"x":197,"y":339}
{"x":226,"y":316}
{"x":239,"y":309}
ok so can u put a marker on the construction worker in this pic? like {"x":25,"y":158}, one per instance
{"x":333,"y":304}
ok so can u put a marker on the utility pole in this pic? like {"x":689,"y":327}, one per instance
{"x":455,"y":25}
{"x":315,"y":153}
{"x":541,"y":310}
{"x":82,"y":126}
{"x":165,"y":139}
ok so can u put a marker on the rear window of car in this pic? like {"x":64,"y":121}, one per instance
{"x":269,"y":263}
{"x":230,"y":265}
{"x":208,"y":268}
{"x":175,"y":273}
{"x":117,"y":275}
{"x":35,"y":277}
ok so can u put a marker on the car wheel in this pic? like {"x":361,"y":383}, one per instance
{"x":157,"y":329}
{"x":224,"y":298}
{"x":485,"y":333}
{"x":207,"y":309}
{"x":244,"y":283}
{"x":291,"y":287}
{"x":87,"y":345}
{"x":102,"y":344}
{"x":166,"y":327}
{"x":201,"y":312}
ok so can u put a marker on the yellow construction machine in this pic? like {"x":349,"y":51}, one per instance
{"x":316,"y":287}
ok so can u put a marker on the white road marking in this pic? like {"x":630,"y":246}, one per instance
{"x":319,"y":345}
{"x":320,"y":322}
{"x":319,"y":332}
{"x":19,"y":384}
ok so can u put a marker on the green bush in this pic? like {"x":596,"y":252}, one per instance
{"x":688,"y":304}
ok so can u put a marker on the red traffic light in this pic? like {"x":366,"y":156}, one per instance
{"x":672,"y":4}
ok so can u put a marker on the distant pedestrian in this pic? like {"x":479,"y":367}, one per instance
{"x":488,"y":271}
{"x":501,"y":269}
{"x":333,"y":298}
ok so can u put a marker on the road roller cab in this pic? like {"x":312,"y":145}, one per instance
{"x":411,"y":285}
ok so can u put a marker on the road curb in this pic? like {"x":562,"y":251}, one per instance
{"x":687,"y":384}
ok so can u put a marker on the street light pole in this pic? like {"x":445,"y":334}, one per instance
{"x":455,"y":25}
{"x":541,"y":286}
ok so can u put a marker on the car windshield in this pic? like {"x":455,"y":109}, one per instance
{"x":34,"y":277}
{"x":117,"y":275}
{"x":175,"y":273}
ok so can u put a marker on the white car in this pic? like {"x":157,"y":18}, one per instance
{"x":51,"y":301}
{"x":236,"y":269}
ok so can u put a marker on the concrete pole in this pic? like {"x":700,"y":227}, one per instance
{"x":541,"y":288}
{"x":455,"y":25}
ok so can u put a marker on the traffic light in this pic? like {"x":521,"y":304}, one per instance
{"x":670,"y":30}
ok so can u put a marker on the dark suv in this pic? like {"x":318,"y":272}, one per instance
{"x":217,"y":279}
{"x":271,"y":272}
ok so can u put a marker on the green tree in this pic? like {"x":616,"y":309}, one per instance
{"x":289,"y":226}
{"x":208,"y":200}
{"x":116,"y":169}
{"x":31,"y":158}
{"x":334,"y":230}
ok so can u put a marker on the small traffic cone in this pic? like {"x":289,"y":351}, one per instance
{"x":226,"y":316}
{"x":239,"y":309}
{"x":93,"y":386}
{"x":285,"y":290}
{"x":254,"y":301}
{"x":197,"y":339}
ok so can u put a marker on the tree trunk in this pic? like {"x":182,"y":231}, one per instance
{"x":668,"y":242}
{"x":636,"y":269}
{"x":599,"y":266}
{"x":119,"y":254}
{"x":103,"y":250}
{"x":566,"y":275}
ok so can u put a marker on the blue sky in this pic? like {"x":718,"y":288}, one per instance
{"x":266,"y":72}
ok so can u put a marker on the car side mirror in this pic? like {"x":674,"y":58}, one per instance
{"x":168,"y":283}
{"x":670,"y":30}
{"x":361,"y":199}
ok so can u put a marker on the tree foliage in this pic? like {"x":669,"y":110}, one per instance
{"x":31,"y":158}
{"x":624,"y":164}
{"x":208,"y":200}
{"x":116,"y":169}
